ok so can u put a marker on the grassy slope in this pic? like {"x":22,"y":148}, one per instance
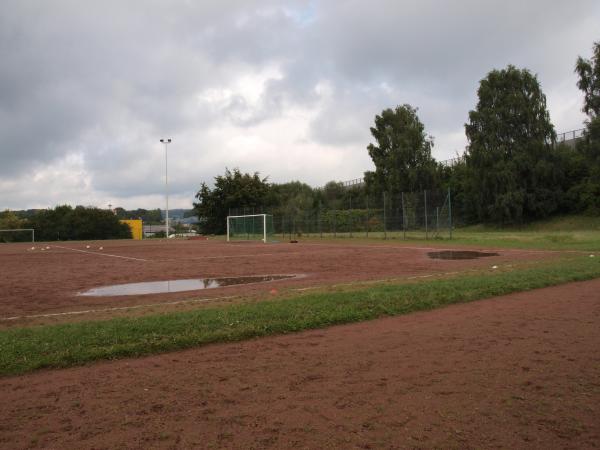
{"x":558,"y":233}
{"x":580,"y":233}
{"x":27,"y":349}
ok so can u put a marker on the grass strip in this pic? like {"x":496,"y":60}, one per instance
{"x":584,"y":241}
{"x":26,"y":349}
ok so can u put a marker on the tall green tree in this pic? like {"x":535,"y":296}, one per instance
{"x":10,"y":221}
{"x":233,"y":190}
{"x":292,"y":200}
{"x":148,"y":216}
{"x":584,"y":195}
{"x":331,"y":196}
{"x":589,"y":81}
{"x":512,"y":171}
{"x":401,"y":154}
{"x":67,"y":223}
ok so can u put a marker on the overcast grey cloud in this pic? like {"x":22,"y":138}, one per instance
{"x":286,"y":88}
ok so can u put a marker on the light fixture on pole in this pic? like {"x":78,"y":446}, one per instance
{"x":166,"y":142}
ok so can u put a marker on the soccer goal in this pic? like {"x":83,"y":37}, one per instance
{"x":250,"y":227}
{"x":17,"y":235}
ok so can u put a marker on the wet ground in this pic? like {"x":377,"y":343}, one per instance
{"x":70,"y":268}
{"x":164,"y":287}
{"x":518,"y":371}
{"x":460,"y":254}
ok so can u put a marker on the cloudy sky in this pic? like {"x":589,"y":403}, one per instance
{"x":285,"y":88}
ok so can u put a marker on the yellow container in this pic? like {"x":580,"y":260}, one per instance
{"x":135,"y":225}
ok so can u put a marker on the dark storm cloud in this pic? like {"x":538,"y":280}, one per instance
{"x":100,"y":82}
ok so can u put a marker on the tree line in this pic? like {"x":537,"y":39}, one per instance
{"x":65,"y":223}
{"x":513,"y":169}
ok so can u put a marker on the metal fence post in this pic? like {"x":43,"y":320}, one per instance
{"x":426,"y":233}
{"x":320,"y":225}
{"x":334,"y":223}
{"x":450,"y":212}
{"x":403,"y":217}
{"x":384,"y":224}
{"x":367,"y":224}
{"x":351,"y":222}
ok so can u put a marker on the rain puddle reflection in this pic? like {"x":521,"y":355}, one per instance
{"x":451,"y":254}
{"x":161,"y":287}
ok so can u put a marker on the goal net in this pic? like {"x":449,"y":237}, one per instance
{"x":17,"y":235}
{"x":250,"y":227}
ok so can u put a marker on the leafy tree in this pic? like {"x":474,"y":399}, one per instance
{"x":402,"y":154}
{"x":332,"y":195}
{"x":67,"y":223}
{"x":589,"y":81}
{"x":292,"y":200}
{"x":511,"y":166}
{"x":152,"y":216}
{"x":11,"y":221}
{"x":584,"y":195}
{"x":232,"y":190}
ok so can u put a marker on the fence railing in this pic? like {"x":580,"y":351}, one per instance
{"x":570,"y":135}
{"x":560,"y":137}
{"x":425,"y":214}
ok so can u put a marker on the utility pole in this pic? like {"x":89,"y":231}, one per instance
{"x":166,"y":142}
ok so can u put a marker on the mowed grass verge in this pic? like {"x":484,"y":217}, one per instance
{"x":580,"y":233}
{"x":27,"y":349}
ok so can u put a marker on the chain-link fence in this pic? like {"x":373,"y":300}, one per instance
{"x":425,"y":214}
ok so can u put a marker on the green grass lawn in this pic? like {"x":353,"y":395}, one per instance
{"x":559,"y":233}
{"x":581,"y":233}
{"x":27,"y":349}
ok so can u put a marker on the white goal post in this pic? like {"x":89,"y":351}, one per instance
{"x":19,"y":230}
{"x":249,"y":227}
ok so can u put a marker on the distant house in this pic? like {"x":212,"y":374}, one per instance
{"x":192,"y":220}
{"x":151,"y":230}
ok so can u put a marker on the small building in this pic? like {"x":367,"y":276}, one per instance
{"x":136,"y":227}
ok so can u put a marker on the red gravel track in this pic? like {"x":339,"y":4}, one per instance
{"x":41,"y":282}
{"x":518,"y":371}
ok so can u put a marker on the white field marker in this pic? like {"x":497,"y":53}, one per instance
{"x":102,"y":254}
{"x":119,"y":308}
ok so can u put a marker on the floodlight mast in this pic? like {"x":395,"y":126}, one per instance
{"x":166,"y":142}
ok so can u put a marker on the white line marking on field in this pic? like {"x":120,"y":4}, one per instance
{"x":102,"y":254}
{"x":119,"y":308}
{"x":230,"y":256}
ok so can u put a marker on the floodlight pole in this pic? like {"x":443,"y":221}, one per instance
{"x":166,"y":142}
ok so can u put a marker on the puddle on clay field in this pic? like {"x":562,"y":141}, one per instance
{"x":161,"y":287}
{"x":451,"y":254}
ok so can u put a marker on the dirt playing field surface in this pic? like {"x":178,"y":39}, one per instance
{"x":518,"y":371}
{"x":36,"y":282}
